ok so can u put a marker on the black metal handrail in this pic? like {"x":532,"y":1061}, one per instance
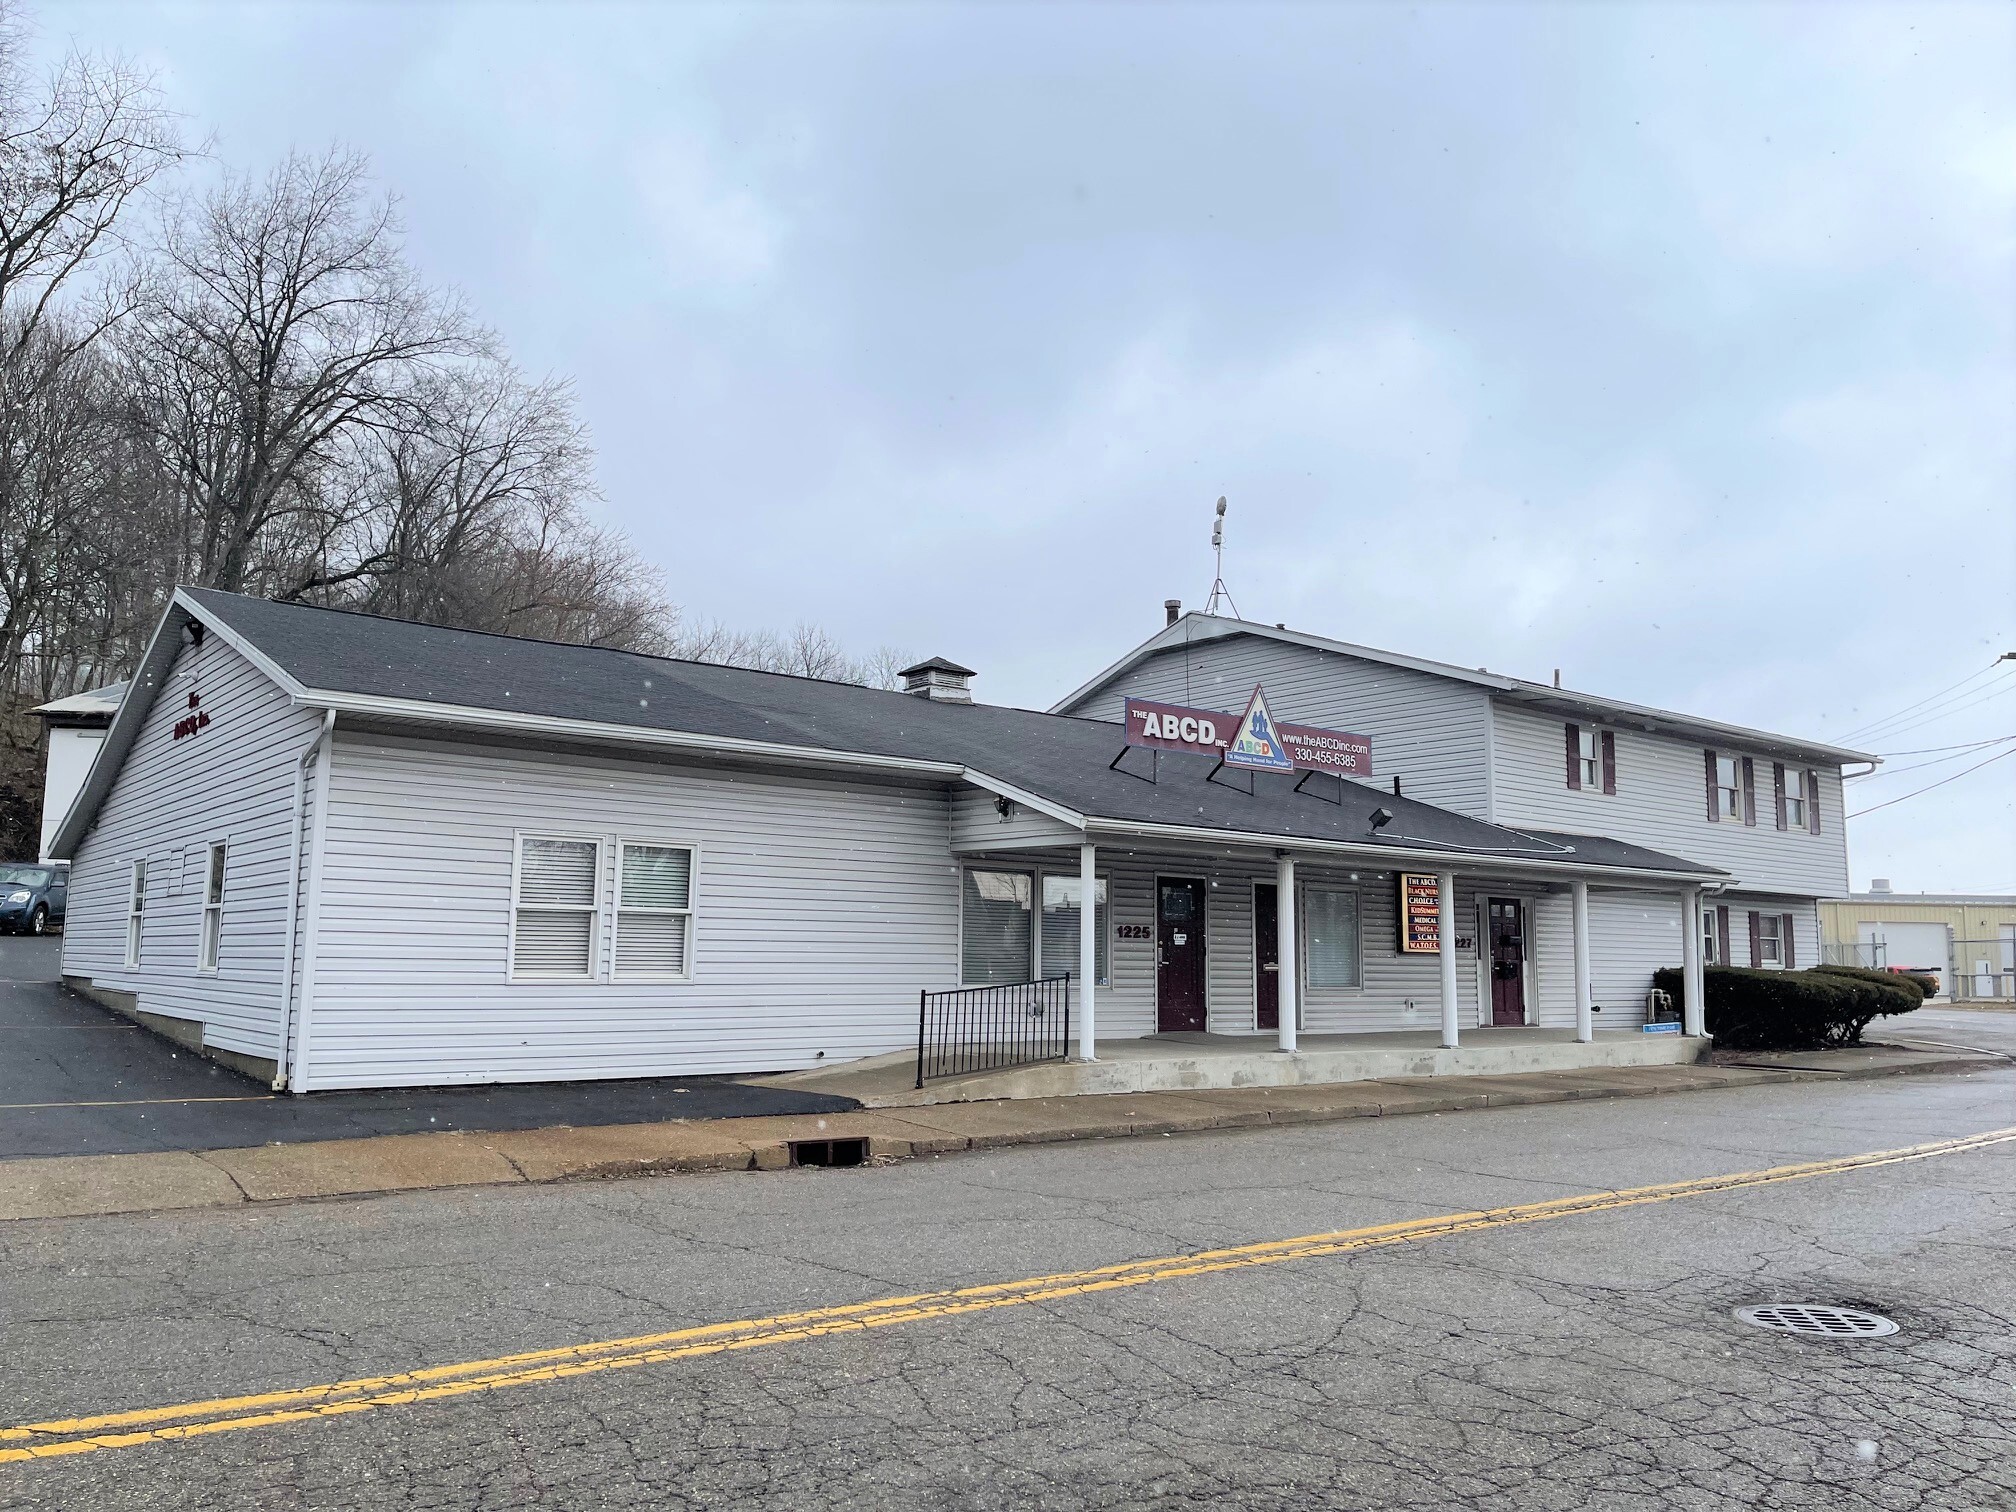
{"x":973,"y":1029}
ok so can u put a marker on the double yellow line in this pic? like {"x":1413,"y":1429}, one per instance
{"x":151,"y":1425}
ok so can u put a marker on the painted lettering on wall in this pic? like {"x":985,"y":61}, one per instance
{"x":1420,"y":913}
{"x":196,"y":719}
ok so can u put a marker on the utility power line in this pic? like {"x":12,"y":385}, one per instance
{"x":1999,"y":756}
{"x":1874,"y":723}
{"x":1943,"y":709}
{"x":1959,"y":753}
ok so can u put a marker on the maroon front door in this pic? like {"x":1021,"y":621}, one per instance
{"x":1508,"y":962}
{"x":1179,"y":938}
{"x":1266,"y":958}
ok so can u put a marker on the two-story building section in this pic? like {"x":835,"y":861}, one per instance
{"x":1764,"y":808}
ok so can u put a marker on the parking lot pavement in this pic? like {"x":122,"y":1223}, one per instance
{"x":78,"y":1080}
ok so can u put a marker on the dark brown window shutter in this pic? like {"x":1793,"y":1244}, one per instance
{"x":1714,"y":807}
{"x":1749,"y":791}
{"x":1756,"y":941}
{"x":1778,"y":789}
{"x":1575,"y":756}
{"x":1812,"y":803}
{"x":1609,"y":743}
{"x":1722,"y":935}
{"x":1785,"y":943}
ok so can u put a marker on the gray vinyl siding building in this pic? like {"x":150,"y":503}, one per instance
{"x":512,"y":861}
{"x":1494,"y":747}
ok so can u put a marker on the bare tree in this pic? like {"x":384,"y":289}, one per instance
{"x":280,"y":319}
{"x":75,"y":147}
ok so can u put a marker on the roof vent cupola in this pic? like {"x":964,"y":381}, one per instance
{"x":938,"y":679}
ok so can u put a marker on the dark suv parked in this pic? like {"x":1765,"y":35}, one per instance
{"x":32,"y":898}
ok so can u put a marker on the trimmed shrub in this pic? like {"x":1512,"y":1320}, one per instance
{"x":1794,"y":1010}
{"x":1927,"y":986}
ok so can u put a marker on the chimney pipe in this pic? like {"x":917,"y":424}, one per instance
{"x":1557,"y":677}
{"x":1174,"y":609}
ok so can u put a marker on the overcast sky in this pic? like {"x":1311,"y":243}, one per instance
{"x":1672,"y":346}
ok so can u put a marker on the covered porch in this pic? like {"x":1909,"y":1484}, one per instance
{"x":1201,"y":977}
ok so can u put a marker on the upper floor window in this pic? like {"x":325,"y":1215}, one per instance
{"x":1732,"y":791}
{"x":1592,"y":760}
{"x":1795,"y":800}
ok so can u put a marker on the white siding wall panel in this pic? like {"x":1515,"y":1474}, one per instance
{"x":978,"y":825}
{"x":231,"y":781}
{"x":1429,"y":731}
{"x":1661,"y":802}
{"x":821,"y":909}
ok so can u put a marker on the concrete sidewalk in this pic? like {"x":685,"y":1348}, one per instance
{"x":77,"y":1186}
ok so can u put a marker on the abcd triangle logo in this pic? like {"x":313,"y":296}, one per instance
{"x":1257,"y":744}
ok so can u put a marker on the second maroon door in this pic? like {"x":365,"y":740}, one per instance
{"x":1266,"y":958}
{"x":1508,"y":962}
{"x":1179,"y":939}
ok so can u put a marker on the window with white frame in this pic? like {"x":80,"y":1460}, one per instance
{"x":136,"y":912}
{"x":654,"y":911}
{"x":1795,"y":798}
{"x":212,"y":935}
{"x":1711,"y":937}
{"x":1330,"y":945}
{"x":997,"y":940}
{"x":1062,"y":895}
{"x":1770,"y":942}
{"x":556,"y":903}
{"x":1589,"y":759}
{"x":1729,"y":787}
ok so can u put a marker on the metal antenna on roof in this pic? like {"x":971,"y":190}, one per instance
{"x":1218,"y":588}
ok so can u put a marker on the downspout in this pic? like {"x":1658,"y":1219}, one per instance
{"x":316,"y":748}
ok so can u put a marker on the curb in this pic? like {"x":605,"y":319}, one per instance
{"x":170,"y":1181}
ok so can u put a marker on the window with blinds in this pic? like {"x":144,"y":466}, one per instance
{"x":1061,"y":899}
{"x":996,"y":934}
{"x":654,"y":911}
{"x":554,"y":912}
{"x":1330,"y":937}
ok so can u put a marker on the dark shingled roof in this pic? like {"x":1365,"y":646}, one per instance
{"x":1062,"y":759}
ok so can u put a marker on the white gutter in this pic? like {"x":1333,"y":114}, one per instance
{"x":319,"y":746}
{"x":311,"y":928}
{"x":1440,"y":859}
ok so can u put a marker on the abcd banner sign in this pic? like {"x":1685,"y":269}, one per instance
{"x":1252,"y":739}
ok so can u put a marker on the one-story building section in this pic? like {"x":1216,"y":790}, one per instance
{"x":347,"y":851}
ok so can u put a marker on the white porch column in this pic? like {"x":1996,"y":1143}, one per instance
{"x":1445,"y":926}
{"x":1693,"y":988}
{"x":1088,"y":945}
{"x":1287,"y":978}
{"x":1585,"y":1008}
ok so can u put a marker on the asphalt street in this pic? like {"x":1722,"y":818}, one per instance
{"x":78,"y":1080}
{"x":1581,"y":1361}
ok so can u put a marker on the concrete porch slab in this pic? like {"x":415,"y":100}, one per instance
{"x":1198,"y":1062}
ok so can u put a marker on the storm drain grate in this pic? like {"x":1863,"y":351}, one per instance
{"x":1816,"y":1320}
